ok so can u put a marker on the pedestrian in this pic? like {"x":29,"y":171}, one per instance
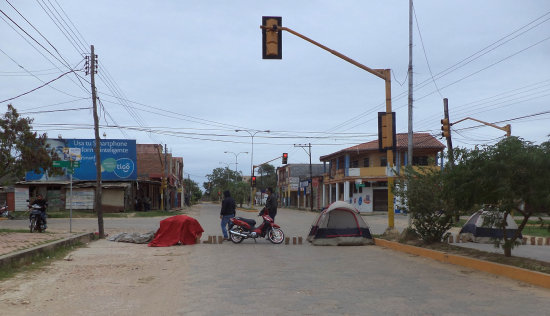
{"x":271,"y":203}
{"x":227,"y":212}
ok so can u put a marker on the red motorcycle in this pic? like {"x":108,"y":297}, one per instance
{"x":241,"y":228}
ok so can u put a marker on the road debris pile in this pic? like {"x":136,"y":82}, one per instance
{"x":137,"y":238}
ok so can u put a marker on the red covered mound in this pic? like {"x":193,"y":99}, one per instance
{"x":177,"y":229}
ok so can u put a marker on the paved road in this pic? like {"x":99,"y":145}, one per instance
{"x":262,"y":278}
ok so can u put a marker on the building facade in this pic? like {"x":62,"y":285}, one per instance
{"x":294,"y":187}
{"x":359,"y":174}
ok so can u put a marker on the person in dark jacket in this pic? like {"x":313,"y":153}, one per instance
{"x":41,"y":201}
{"x":227,"y":212}
{"x":271,"y":203}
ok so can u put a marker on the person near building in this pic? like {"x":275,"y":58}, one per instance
{"x":227,"y":212}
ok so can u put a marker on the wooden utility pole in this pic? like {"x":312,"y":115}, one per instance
{"x":97,"y":147}
{"x":410,"y":75}
{"x":449,"y":140}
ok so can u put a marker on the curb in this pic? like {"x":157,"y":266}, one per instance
{"x":27,"y":255}
{"x":520,"y":274}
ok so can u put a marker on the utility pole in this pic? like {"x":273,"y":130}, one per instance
{"x":410,"y":76}
{"x":449,"y":140}
{"x":166,"y":206}
{"x":310,"y":172}
{"x":98,"y":209}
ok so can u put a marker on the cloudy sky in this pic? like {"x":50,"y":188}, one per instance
{"x":189,"y":73}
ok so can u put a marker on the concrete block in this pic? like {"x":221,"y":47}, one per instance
{"x":294,"y":240}
{"x":220,"y":239}
{"x":300,"y":240}
{"x":547,"y":241}
{"x":532,"y":240}
{"x":451,"y":239}
{"x":524,"y":241}
{"x":539,"y":241}
{"x":287,"y":240}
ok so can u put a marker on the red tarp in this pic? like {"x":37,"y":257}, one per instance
{"x":177,"y":229}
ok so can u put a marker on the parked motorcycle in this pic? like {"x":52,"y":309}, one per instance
{"x":35,"y":219}
{"x":4,"y":211}
{"x":241,"y":228}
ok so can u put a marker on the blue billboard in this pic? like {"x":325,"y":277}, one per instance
{"x":118,"y":159}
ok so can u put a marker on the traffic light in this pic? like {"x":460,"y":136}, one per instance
{"x":253,"y":181}
{"x":285,"y":158}
{"x":272,"y":39}
{"x":445,"y":128}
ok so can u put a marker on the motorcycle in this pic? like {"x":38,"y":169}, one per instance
{"x":36,"y":222}
{"x":241,"y":228}
{"x":4,"y":212}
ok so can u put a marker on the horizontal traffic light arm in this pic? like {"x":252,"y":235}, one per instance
{"x":377,"y":72}
{"x":507,"y":128}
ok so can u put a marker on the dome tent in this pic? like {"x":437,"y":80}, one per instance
{"x":339,"y":225}
{"x":475,"y":231}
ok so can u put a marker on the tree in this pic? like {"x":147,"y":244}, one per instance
{"x":220,"y":180}
{"x":21,"y":149}
{"x":192,"y":188}
{"x":420,"y":193}
{"x":510,"y":176}
{"x":268,"y":176}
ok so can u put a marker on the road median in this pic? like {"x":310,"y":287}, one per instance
{"x":520,"y":274}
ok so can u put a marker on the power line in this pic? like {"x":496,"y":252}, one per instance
{"x":45,"y":84}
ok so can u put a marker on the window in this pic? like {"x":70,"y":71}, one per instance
{"x":420,"y":161}
{"x":354,"y":164}
{"x":366,"y":162}
{"x":383,"y":161}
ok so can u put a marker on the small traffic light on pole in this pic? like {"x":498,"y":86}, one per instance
{"x":445,"y":128}
{"x":272,"y":37}
{"x":285,"y":158}
{"x":253,"y":181}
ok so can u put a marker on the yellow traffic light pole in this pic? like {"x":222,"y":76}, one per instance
{"x":273,"y":50}
{"x":507,"y":128}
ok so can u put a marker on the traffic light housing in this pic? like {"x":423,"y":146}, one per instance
{"x":253,"y":181}
{"x":445,"y":128}
{"x":272,"y":39}
{"x":285,"y":158}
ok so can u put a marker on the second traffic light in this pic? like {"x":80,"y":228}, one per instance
{"x":253,"y":181}
{"x":272,"y":39}
{"x":445,"y":128}
{"x":285,"y":158}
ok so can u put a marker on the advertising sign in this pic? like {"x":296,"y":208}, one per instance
{"x":118,"y":159}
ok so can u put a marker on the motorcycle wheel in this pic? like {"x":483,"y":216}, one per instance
{"x":33,"y":224}
{"x":236,"y":238}
{"x":276,"y":235}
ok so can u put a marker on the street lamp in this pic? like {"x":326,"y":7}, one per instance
{"x":252,"y":134}
{"x":236,"y":163}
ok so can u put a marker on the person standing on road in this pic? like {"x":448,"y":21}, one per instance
{"x":227,"y":212}
{"x":271,"y":203}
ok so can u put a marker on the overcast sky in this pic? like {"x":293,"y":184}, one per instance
{"x":189,"y":73}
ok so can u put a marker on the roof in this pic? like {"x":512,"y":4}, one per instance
{"x":420,"y":141}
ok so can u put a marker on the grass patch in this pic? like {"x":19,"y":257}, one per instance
{"x":39,"y":261}
{"x":536,"y":230}
{"x":7,"y":230}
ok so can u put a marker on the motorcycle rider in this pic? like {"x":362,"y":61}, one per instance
{"x":227,"y":212}
{"x":43,"y":204}
{"x":271,"y":203}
